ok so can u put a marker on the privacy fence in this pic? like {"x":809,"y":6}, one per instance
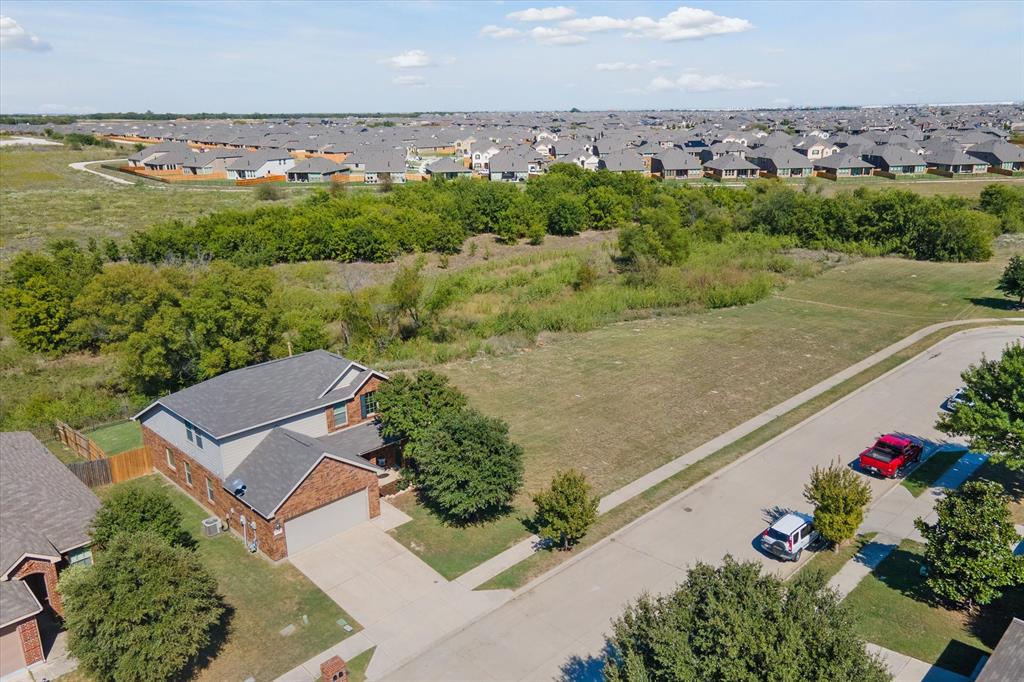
{"x":99,"y":469}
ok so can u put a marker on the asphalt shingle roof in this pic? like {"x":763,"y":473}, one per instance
{"x":46,"y":510}
{"x":16,"y":602}
{"x":1007,"y":660}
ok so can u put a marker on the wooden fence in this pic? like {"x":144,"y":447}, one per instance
{"x":250,"y":182}
{"x":79,"y":442}
{"x":123,"y":467}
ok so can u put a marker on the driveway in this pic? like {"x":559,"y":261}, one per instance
{"x":400,"y":601}
{"x":555,"y":629}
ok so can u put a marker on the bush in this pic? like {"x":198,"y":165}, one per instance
{"x":268,"y":192}
{"x":567,"y":510}
{"x":136,"y":510}
{"x":839,"y":497}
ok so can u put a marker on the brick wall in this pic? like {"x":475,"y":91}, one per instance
{"x":353,"y":409}
{"x":49,"y":571}
{"x":328,"y":482}
{"x":31,"y":642}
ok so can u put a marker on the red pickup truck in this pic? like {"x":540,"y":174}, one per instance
{"x":889,"y":455}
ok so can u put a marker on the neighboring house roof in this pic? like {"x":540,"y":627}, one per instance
{"x":508,"y":162}
{"x":16,"y":602}
{"x":730,"y":162}
{"x":1007,"y":660}
{"x":46,"y":510}
{"x":622,"y":162}
{"x":447,"y":165}
{"x":842,"y":160}
{"x":317,"y":164}
{"x":260,"y":394}
{"x":677,"y":159}
{"x":161,"y":148}
{"x":203,"y":159}
{"x":952,"y":157}
{"x":255,"y":160}
{"x":1004,"y":152}
{"x":282,"y":460}
{"x":780,"y":158}
{"x":896,"y":156}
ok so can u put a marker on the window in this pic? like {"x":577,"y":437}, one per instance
{"x":80,"y":557}
{"x":340,"y":415}
{"x":199,"y":440}
{"x":193,"y":435}
{"x":188,"y":473}
{"x":188,"y":432}
{"x":368,"y":403}
{"x":170,"y":458}
{"x":209,"y":490}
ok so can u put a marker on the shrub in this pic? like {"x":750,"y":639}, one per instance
{"x":268,"y":192}
{"x":567,"y":510}
{"x":136,"y":510}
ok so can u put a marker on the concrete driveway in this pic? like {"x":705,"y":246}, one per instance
{"x":401,"y":602}
{"x":555,"y":629}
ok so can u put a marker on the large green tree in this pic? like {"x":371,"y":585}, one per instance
{"x":1011,"y":282}
{"x":567,"y":510}
{"x":466,"y":467}
{"x":135,"y":510}
{"x":407,"y":406}
{"x":969,"y":550}
{"x":144,"y":611}
{"x":839,"y":497}
{"x":992,"y":413}
{"x":735,"y":624}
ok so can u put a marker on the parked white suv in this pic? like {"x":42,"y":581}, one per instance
{"x":789,"y":536}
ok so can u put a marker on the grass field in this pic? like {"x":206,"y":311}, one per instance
{"x":264,"y":598}
{"x":623,"y":399}
{"x":925,"y":474}
{"x":45,"y":199}
{"x":893,"y":609}
{"x":116,"y":438}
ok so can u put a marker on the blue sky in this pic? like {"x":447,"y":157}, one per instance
{"x":81,"y":57}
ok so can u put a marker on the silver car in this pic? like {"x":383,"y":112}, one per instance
{"x":789,"y":536}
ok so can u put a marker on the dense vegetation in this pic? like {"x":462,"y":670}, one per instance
{"x":439,"y":215}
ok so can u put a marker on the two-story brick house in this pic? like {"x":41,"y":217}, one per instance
{"x":286,"y":453}
{"x":45,"y":514}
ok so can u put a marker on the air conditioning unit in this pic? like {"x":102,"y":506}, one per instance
{"x":211,"y":526}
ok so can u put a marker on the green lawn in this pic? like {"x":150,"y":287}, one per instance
{"x":358,"y":665}
{"x":116,"y":438}
{"x":893,"y":609}
{"x":1012,"y":482}
{"x":924,"y":475}
{"x":453,"y":550}
{"x":829,"y":562}
{"x":264,"y":598}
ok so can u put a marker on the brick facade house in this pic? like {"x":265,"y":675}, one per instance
{"x":285,"y":453}
{"x":44,"y":528}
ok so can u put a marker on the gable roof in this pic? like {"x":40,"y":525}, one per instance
{"x":284,"y":458}
{"x":255,"y":160}
{"x":677,"y":159}
{"x":260,"y":394}
{"x":447,"y":165}
{"x":1007,"y":659}
{"x":46,"y":510}
{"x":16,"y":602}
{"x":842,"y":160}
{"x":730,"y":162}
{"x":317,"y":164}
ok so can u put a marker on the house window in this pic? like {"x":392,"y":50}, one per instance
{"x":340,"y":415}
{"x":80,"y":557}
{"x":209,"y":490}
{"x":170,"y":458}
{"x":368,"y":404}
{"x":189,"y":432}
{"x":188,"y":473}
{"x":193,"y":435}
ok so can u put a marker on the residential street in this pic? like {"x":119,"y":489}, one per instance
{"x":556,"y":628}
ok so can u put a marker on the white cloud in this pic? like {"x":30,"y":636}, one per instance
{"x":684,"y":23}
{"x":631,"y":66}
{"x":410,"y":81}
{"x":697,"y":82}
{"x":14,"y":37}
{"x":555,"y":36}
{"x":499,"y":32}
{"x":410,"y":59}
{"x":543,"y":14}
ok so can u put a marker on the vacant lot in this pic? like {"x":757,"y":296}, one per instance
{"x":621,"y":400}
{"x":929,"y":185}
{"x":45,"y":199}
{"x":264,"y":599}
{"x":893,"y":608}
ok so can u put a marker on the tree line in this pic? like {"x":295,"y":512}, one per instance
{"x":439,"y":215}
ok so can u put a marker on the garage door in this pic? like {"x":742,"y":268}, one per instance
{"x":11,"y":656}
{"x":322,"y":523}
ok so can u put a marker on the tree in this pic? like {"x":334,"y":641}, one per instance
{"x":567,"y":510}
{"x":144,"y":611}
{"x":40,"y":315}
{"x":734,"y":623}
{"x":992,"y":414}
{"x":657,"y":236}
{"x":466,"y":467}
{"x":607,"y":208}
{"x":969,"y":551}
{"x":137,"y":510}
{"x":1011,"y":282}
{"x":567,"y":215}
{"x":408,"y":406}
{"x":839,"y":497}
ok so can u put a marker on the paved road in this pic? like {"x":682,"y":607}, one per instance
{"x":556,"y":628}
{"x":84,"y":166}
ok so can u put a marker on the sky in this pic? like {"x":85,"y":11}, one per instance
{"x":290,"y":57}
